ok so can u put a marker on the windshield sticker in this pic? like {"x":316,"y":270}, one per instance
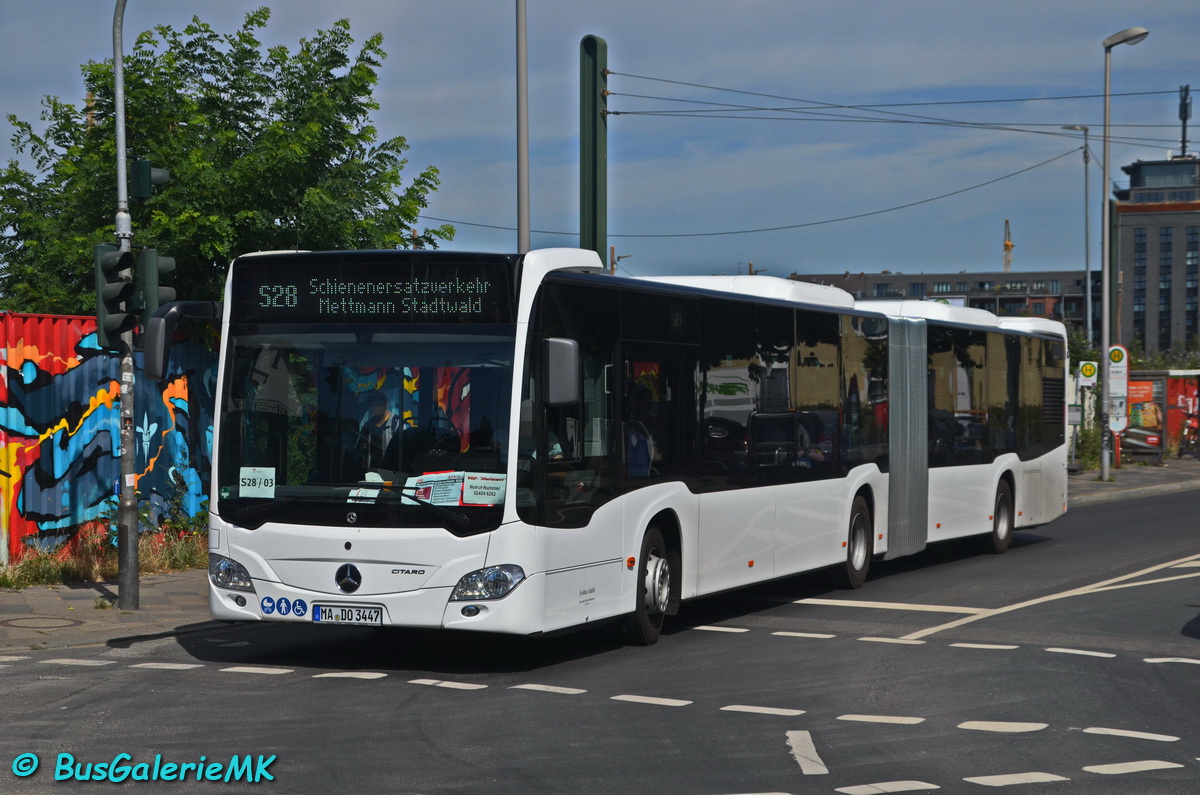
{"x":483,"y":490}
{"x":367,"y":495}
{"x":439,"y":488}
{"x":257,"y":482}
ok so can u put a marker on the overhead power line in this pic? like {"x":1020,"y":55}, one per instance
{"x":781,"y":227}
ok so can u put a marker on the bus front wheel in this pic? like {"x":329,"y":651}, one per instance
{"x":655,"y":572}
{"x":858,"y":544}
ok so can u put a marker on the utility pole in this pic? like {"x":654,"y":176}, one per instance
{"x":128,"y":596}
{"x":523,"y":224}
{"x":593,"y":144}
{"x":613,"y":259}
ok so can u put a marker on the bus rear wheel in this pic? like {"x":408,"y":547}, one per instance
{"x":1002,"y":520}
{"x":655,"y":573}
{"x":858,"y":544}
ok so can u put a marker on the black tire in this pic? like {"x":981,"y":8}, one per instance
{"x":1002,"y":520}
{"x":656,"y":573}
{"x":860,"y":543}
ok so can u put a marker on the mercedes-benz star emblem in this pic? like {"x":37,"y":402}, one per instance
{"x":348,"y":578}
{"x":351,"y":517}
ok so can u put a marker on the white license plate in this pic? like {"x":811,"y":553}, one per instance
{"x":343,"y":614}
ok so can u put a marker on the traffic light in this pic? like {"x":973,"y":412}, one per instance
{"x":145,"y":176}
{"x":113,"y":291}
{"x":149,"y":295}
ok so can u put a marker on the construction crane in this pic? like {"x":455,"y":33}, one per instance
{"x":1008,"y":247}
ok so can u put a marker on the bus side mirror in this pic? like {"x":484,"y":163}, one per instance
{"x":160,"y":332}
{"x":562,"y":370}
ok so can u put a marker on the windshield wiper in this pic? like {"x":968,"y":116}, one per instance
{"x":457,"y":519}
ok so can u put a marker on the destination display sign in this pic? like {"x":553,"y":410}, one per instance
{"x":279,"y":290}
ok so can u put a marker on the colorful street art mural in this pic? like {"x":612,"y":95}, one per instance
{"x":60,"y":443}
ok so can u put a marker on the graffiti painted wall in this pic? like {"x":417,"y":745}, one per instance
{"x":60,"y":443}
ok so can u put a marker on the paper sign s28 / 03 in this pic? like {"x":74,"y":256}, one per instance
{"x":256,"y":482}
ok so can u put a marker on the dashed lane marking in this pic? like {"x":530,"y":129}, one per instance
{"x":254,"y":669}
{"x":1162,"y":738}
{"x":1132,"y":767}
{"x":160,"y":666}
{"x":805,"y":753}
{"x":661,"y":702}
{"x":995,"y":646}
{"x":722,"y":629}
{"x":790,"y":713}
{"x":896,"y":719}
{"x":562,"y":691}
{"x":448,"y":685}
{"x":1009,"y":779}
{"x":888,"y":786}
{"x":822,"y":635}
{"x":970,"y":611}
{"x":351,"y":675}
{"x":1082,"y":652}
{"x":66,"y":661}
{"x":1004,"y":727}
{"x":1171,"y":660}
{"x":10,"y":658}
{"x":900,"y":641}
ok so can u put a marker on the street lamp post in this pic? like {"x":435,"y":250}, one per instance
{"x":1087,"y":234}
{"x":1128,"y":36}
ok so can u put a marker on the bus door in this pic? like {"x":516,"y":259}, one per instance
{"x":658,"y":412}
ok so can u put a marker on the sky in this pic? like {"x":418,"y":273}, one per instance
{"x":696,"y":169}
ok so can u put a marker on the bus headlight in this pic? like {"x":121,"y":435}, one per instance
{"x":226,"y":573}
{"x":494,"y":582}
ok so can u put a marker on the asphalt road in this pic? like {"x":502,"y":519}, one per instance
{"x":1070,"y":664}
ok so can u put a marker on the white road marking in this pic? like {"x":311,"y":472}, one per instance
{"x":1162,"y":738}
{"x":661,"y":702}
{"x":1005,"y":727}
{"x":804,"y":635}
{"x":805,"y":754}
{"x":1144,"y":582}
{"x":998,"y":646}
{"x":902,"y":641}
{"x":66,"y":661}
{"x":251,"y":669}
{"x":449,"y":685}
{"x":1087,"y":589}
{"x":11,"y":658}
{"x":562,"y":691}
{"x":1131,"y":767}
{"x":894,"y":606}
{"x":897,"y":719}
{"x":791,"y":713}
{"x":721,"y":629}
{"x":888,"y":786}
{"x":1081,"y":652}
{"x":351,"y":675}
{"x":1015,"y":778}
{"x":168,"y":666}
{"x":1171,"y":660}
{"x":1190,"y":564}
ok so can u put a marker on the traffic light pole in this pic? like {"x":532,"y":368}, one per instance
{"x":128,"y":586}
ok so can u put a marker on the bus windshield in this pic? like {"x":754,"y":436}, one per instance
{"x":366,"y":425}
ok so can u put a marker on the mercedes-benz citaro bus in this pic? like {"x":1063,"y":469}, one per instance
{"x":525,"y":444}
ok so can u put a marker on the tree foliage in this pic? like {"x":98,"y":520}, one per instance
{"x":267,"y":149}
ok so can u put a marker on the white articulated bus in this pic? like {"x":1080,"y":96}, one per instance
{"x":524,"y":444}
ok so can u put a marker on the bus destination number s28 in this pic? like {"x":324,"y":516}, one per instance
{"x":278,"y":295}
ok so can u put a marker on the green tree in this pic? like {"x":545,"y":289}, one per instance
{"x":267,"y":149}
